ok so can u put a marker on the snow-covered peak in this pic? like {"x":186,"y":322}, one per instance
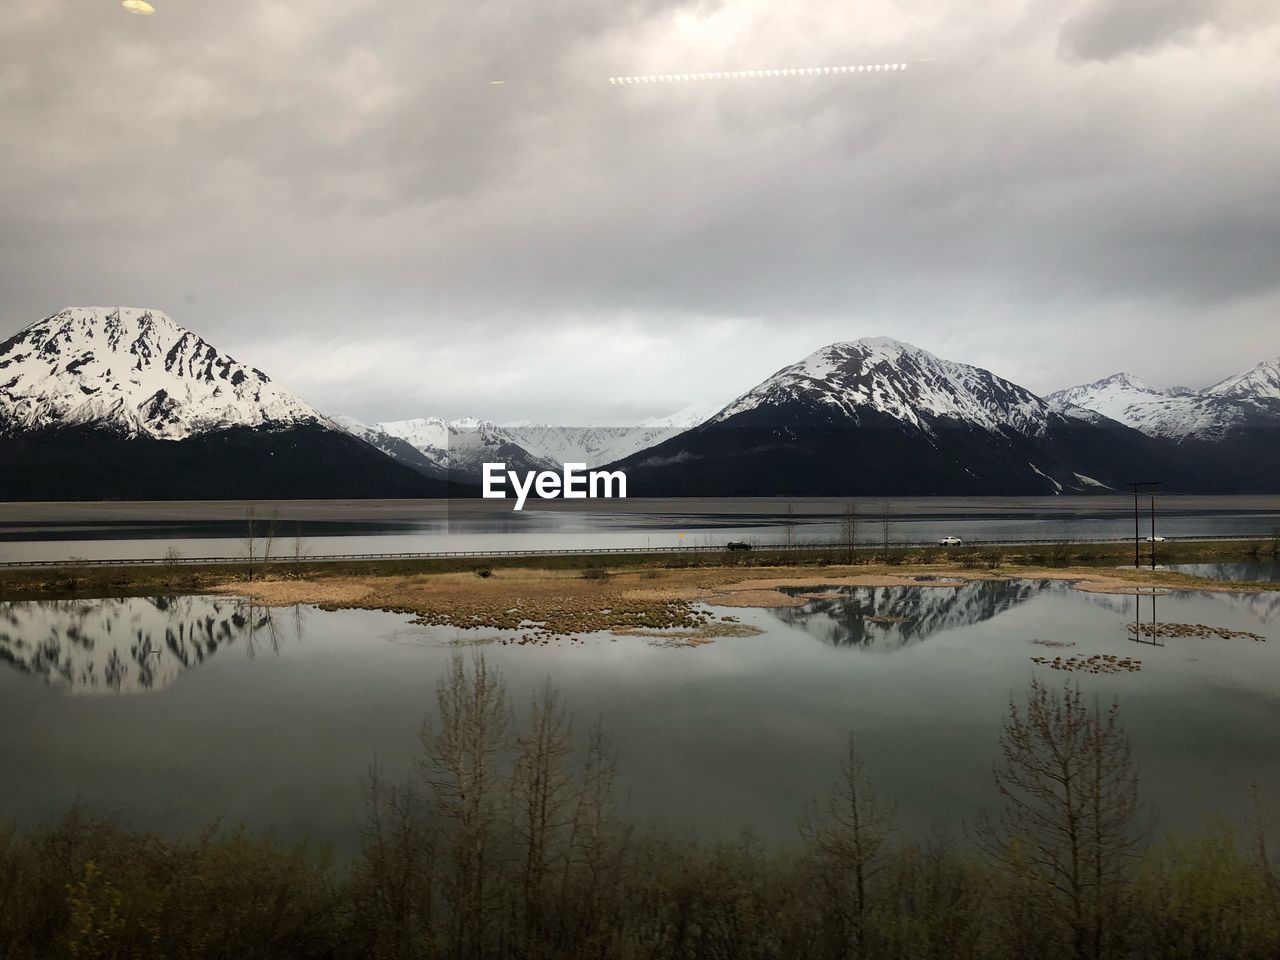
{"x":1260,"y":382}
{"x":353,"y":426}
{"x":906,"y":382}
{"x":1179,"y":413}
{"x":463,"y":444}
{"x":134,"y":371}
{"x":682,"y":419}
{"x":1125,"y":381}
{"x":423,"y":432}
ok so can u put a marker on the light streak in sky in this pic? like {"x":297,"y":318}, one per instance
{"x":768,"y":74}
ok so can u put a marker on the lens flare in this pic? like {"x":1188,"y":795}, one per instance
{"x":752,"y":74}
{"x":139,"y":7}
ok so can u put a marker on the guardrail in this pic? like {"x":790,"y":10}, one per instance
{"x":588,"y":551}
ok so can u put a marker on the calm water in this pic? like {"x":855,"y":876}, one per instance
{"x":216,"y":529}
{"x":1256,"y":571}
{"x":175,"y":711}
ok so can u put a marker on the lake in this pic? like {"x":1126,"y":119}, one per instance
{"x":110,"y":530}
{"x":1255,"y":571}
{"x":176,"y":711}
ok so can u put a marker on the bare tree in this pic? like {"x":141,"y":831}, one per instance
{"x":1068,"y":828}
{"x":789,"y":526}
{"x":849,"y":531}
{"x":884,"y":519}
{"x":395,"y":880}
{"x":541,"y":798}
{"x":272,"y":527}
{"x":593,"y":840}
{"x":461,"y":764}
{"x":172,"y":562}
{"x":299,"y":549}
{"x":850,"y":838}
{"x":251,"y":534}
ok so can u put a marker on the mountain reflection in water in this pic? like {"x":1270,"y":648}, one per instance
{"x":892,"y":617}
{"x":130,"y":645}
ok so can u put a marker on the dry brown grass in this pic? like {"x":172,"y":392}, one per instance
{"x":561,"y":602}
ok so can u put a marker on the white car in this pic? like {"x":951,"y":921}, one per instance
{"x":1154,"y":539}
{"x":950,"y":542}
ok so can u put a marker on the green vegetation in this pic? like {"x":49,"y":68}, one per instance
{"x":500,"y":844}
{"x":171,"y":577}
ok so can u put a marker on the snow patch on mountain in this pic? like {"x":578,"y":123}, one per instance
{"x":136,"y":372}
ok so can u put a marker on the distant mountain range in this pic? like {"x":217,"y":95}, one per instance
{"x":458,"y":449}
{"x":597,"y":446}
{"x":1227,"y":436}
{"x":100,"y":403}
{"x":1242,"y":402}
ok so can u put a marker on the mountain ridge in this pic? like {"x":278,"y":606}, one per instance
{"x":880,"y":416}
{"x":106,"y":402}
{"x":137,"y":372}
{"x":123,"y":403}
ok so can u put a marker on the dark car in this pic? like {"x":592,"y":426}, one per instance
{"x":737,"y":545}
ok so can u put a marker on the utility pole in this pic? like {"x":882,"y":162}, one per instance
{"x":1137,"y":486}
{"x":1153,"y":533}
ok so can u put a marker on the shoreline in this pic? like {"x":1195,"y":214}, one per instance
{"x":547,"y":603}
{"x":623,"y":593}
{"x":623,"y":600}
{"x":1054,"y":560}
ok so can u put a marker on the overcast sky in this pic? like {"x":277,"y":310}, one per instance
{"x":338,"y":193}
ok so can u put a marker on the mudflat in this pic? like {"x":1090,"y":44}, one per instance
{"x":562,"y":602}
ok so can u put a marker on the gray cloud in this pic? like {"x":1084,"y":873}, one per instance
{"x":339,"y":194}
{"x":1103,"y":29}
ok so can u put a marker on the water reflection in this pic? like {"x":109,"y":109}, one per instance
{"x":1145,"y":633}
{"x":1249,"y":571}
{"x":892,"y":617}
{"x":744,"y":730}
{"x":1261,"y":605}
{"x":131,"y":645}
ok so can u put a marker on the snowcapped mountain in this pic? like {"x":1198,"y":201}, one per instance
{"x":135,"y":372}
{"x":1226,"y":436}
{"x":460,"y":447}
{"x":683,"y":419}
{"x":123,"y":403}
{"x":878,"y":416}
{"x":1246,"y":401}
{"x":597,"y":446}
{"x":397,"y":448}
{"x":594,"y":446}
{"x":878,"y":375}
{"x":1260,"y":382}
